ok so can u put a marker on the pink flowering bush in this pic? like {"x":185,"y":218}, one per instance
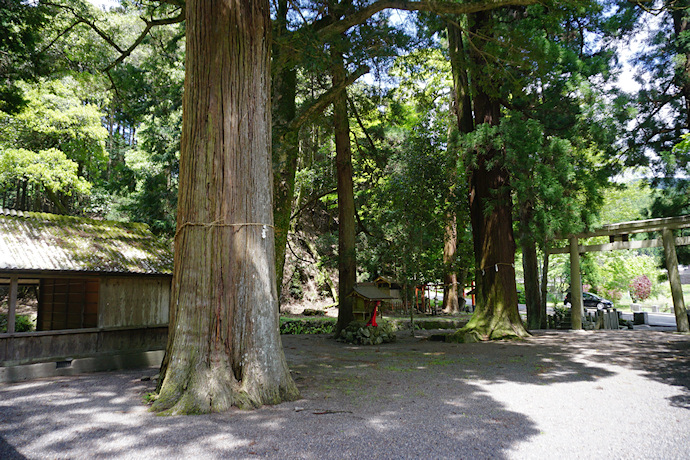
{"x":613,"y":294}
{"x":640,"y":288}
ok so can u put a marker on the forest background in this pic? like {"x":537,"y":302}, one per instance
{"x":91,"y":115}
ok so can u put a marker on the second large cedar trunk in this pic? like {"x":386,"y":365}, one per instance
{"x":496,"y":315}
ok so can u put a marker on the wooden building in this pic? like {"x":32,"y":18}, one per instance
{"x":102,"y":294}
{"x":365,"y":298}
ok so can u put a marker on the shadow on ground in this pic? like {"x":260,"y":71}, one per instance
{"x":661,"y":356}
{"x":413,"y":398}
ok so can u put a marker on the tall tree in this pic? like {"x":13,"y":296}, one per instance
{"x":285,"y":146}
{"x":664,"y":109}
{"x":542,"y":160}
{"x":464,"y":124}
{"x":347,"y":257}
{"x":490,"y":200}
{"x":21,"y":29}
{"x":295,"y":48}
{"x":224,"y":346}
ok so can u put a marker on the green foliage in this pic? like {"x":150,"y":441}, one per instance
{"x":52,"y":151}
{"x":521,"y":297}
{"x":626,"y":202}
{"x":295,"y":288}
{"x":147,"y":185}
{"x":57,"y":116}
{"x":669,"y":202}
{"x":22,"y":26}
{"x":661,"y":129}
{"x":591,"y":273}
{"x":619,"y":268}
{"x":311,"y":326}
{"x":50,"y":170}
{"x":561,"y":314}
{"x":22,"y":323}
{"x":417,"y":179}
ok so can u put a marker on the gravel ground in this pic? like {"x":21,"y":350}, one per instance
{"x":604,"y":394}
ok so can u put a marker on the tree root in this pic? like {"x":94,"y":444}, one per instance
{"x":477,"y":333}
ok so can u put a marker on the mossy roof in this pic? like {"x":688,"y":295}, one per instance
{"x":48,"y":242}
{"x":369,"y":293}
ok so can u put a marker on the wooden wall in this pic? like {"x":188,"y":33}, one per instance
{"x":67,"y":303}
{"x":36,"y":347}
{"x":134,"y":301}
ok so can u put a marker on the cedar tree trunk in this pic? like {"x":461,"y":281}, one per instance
{"x":347,"y":262}
{"x":224,"y":345}
{"x":462,"y":108}
{"x":530,"y":266}
{"x":496,"y":315}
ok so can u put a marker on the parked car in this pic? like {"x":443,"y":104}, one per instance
{"x":591,"y":301}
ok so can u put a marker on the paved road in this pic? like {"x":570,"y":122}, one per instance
{"x":664,"y":320}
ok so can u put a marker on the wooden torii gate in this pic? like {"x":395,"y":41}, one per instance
{"x":618,"y":236}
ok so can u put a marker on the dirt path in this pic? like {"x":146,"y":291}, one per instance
{"x":606,"y":394}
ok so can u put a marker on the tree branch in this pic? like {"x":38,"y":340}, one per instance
{"x":64,"y":32}
{"x":434,"y":6}
{"x":123,"y":53}
{"x":149,"y":25}
{"x":311,"y":201}
{"x":320,"y":104}
{"x":361,"y":125}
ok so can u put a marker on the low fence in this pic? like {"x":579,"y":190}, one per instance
{"x":600,"y":319}
{"x":56,"y":346}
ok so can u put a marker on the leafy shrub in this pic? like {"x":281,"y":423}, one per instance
{"x":640,"y":288}
{"x":300,"y":326}
{"x":22,"y":323}
{"x":612,"y":294}
{"x":560,"y":312}
{"x":296,"y":291}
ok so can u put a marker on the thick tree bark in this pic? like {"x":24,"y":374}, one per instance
{"x":496,"y":315}
{"x":462,"y":108}
{"x":530,"y":266}
{"x":224,"y":345}
{"x":347,"y":262}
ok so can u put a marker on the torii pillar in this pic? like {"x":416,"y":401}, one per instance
{"x":674,"y":278}
{"x":576,"y":306}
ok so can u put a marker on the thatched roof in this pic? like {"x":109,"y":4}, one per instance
{"x":31,"y":241}
{"x":370,"y":293}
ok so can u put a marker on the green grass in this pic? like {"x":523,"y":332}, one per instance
{"x":298,"y":326}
